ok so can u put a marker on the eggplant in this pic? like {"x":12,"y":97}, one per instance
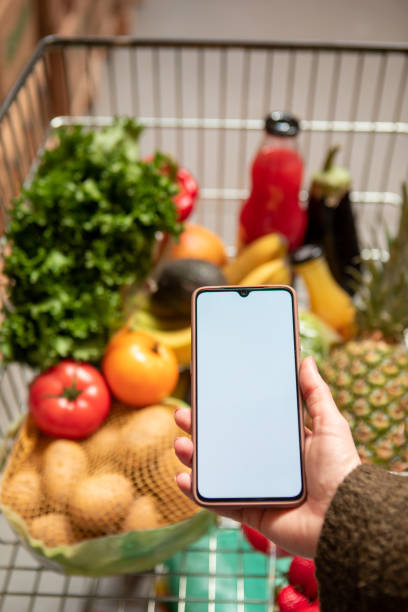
{"x":331,"y":222}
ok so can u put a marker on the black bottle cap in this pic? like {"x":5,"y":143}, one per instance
{"x":281,"y":124}
{"x":305,"y":253}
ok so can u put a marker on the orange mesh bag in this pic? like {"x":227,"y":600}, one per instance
{"x":108,"y":503}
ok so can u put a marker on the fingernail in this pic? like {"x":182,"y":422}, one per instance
{"x":313,"y":362}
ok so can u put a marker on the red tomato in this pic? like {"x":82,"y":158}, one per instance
{"x":70,"y":400}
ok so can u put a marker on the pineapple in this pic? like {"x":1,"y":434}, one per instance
{"x":368,"y":375}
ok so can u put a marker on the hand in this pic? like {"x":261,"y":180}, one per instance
{"x":330,"y":455}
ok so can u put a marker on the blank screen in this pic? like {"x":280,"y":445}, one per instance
{"x":248,"y":444}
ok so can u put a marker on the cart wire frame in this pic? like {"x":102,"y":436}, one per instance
{"x":204,"y":103}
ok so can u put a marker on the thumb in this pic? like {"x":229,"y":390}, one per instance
{"x":317,"y":395}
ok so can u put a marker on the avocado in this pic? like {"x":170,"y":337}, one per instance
{"x":177,"y":281}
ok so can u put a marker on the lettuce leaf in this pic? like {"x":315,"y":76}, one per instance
{"x":82,"y":230}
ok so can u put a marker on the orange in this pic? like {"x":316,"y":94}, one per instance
{"x":198,"y":242}
{"x":139,"y":370}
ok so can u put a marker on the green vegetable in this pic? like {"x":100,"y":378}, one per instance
{"x":316,"y":337}
{"x":83,"y":230}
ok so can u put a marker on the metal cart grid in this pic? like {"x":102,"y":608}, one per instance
{"x":28,"y":586}
{"x":203,"y":102}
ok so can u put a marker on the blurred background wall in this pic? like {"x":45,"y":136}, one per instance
{"x":24,"y":22}
{"x":359,"y":20}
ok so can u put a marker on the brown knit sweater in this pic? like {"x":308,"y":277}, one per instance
{"x":362,"y":555}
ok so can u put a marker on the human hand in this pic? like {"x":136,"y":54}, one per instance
{"x":330,"y":455}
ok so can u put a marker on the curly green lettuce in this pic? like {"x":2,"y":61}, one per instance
{"x":83,"y":230}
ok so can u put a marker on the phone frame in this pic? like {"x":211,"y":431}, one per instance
{"x":272,"y":502}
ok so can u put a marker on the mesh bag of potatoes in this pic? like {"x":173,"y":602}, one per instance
{"x":107,"y":504}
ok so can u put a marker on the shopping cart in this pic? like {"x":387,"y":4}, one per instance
{"x":202,"y":102}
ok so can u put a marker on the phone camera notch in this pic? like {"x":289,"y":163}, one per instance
{"x":243,"y":292}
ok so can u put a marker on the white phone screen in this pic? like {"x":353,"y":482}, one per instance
{"x":247,"y":414}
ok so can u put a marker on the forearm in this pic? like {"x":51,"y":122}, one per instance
{"x":362,"y":555}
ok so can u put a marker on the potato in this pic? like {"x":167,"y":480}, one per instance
{"x":151,"y":421}
{"x":100,"y":503}
{"x":22,"y":493}
{"x":173,"y":504}
{"x":170,"y":465}
{"x":145,"y":429}
{"x":52,"y":529}
{"x":64,"y":463}
{"x":102,"y":448}
{"x":143,"y":514}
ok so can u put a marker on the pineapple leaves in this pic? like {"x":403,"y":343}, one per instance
{"x":382,"y":299}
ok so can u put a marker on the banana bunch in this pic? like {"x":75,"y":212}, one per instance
{"x":173,"y":333}
{"x":262,"y":262}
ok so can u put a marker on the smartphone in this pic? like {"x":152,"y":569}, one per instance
{"x":247,"y":411}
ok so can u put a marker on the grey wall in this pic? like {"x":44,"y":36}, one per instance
{"x":362,"y":20}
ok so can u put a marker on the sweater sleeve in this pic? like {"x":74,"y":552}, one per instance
{"x":362,"y":554}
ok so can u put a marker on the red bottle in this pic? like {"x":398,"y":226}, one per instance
{"x":277,"y":171}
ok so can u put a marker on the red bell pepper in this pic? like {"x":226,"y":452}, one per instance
{"x":261,"y":543}
{"x":257,"y":540}
{"x":188,"y":186}
{"x":188,"y":192}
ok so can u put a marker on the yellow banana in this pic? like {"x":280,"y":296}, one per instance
{"x":258,"y":252}
{"x":145,"y":318}
{"x":183,"y":386}
{"x":173,"y":333}
{"x":179,"y":340}
{"x":275,"y":272}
